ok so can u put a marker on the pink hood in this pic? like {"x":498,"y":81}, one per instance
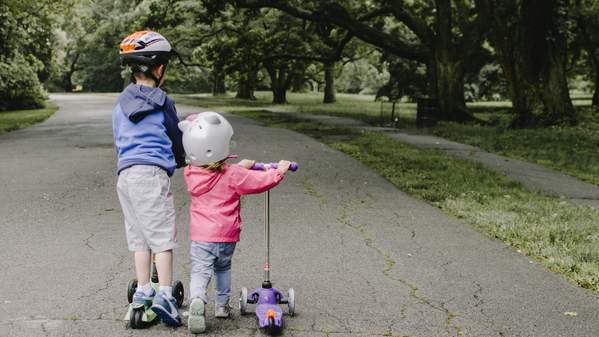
{"x":215,"y":206}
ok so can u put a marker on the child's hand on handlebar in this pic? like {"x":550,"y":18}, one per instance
{"x":246,"y":163}
{"x":283,"y":166}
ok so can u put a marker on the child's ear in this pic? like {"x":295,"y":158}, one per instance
{"x":184,"y":125}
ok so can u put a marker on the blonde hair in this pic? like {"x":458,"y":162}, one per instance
{"x":217,"y":166}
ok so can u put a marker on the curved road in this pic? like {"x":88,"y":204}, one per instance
{"x":365,"y":258}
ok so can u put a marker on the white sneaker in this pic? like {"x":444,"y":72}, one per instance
{"x":196,"y":323}
{"x":222,"y":311}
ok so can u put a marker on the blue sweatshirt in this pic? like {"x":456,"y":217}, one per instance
{"x":144,"y":125}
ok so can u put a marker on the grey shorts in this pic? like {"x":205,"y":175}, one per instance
{"x":147,"y":203}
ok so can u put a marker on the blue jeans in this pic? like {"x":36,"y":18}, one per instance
{"x":208,"y":257}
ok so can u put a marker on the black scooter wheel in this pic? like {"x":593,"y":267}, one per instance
{"x":178,"y":292}
{"x":131,"y":287}
{"x":273,"y":329}
{"x":136,"y":319}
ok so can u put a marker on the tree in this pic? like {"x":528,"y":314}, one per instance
{"x":105,"y":24}
{"x":454,"y":34}
{"x":585,"y":15}
{"x":529,"y":38}
{"x":70,"y":44}
{"x":26,"y":42}
{"x":331,"y":44}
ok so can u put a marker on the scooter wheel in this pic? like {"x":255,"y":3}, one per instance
{"x":178,"y":292}
{"x":131,"y":287}
{"x":273,"y":329}
{"x":291,"y":301}
{"x":136,"y":319}
{"x":243,"y":301}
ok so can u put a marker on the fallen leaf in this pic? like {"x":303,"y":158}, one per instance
{"x":571,"y":313}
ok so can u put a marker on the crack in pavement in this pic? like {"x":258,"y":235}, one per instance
{"x":86,"y":241}
{"x":344,"y":219}
{"x":108,"y":282}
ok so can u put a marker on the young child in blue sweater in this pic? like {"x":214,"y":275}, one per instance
{"x":149,"y":149}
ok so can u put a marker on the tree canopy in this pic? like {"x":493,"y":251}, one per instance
{"x":528,"y":51}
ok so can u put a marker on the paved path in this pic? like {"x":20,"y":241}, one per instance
{"x":535,"y":177}
{"x":365,"y":258}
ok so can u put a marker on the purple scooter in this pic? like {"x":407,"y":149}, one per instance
{"x":267,"y":299}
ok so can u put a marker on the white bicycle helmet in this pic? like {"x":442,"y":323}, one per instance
{"x":206,"y":138}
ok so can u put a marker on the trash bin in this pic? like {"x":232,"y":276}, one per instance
{"x":426,"y":113}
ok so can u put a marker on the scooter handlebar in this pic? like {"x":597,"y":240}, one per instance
{"x":267,"y":166}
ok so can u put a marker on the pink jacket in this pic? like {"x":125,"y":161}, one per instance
{"x":215,"y":208}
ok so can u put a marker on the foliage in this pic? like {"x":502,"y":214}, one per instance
{"x":584,"y":44}
{"x":19,"y":85}
{"x":362,"y":76}
{"x":25,"y":52}
{"x":488,"y":84}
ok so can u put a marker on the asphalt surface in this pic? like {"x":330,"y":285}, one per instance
{"x":364,"y":258}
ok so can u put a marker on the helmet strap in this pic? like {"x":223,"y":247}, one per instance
{"x":159,"y":79}
{"x":149,"y":72}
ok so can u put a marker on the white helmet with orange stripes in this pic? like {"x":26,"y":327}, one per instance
{"x":147,"y":48}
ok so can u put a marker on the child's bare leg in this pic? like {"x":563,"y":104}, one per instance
{"x":164,"y":267}
{"x":142,"y":267}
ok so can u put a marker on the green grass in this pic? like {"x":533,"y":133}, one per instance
{"x":571,"y":150}
{"x":563,"y":236}
{"x":362,"y":107}
{"x":18,"y":119}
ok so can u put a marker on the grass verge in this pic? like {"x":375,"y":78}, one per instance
{"x":18,"y":119}
{"x":361,"y":107}
{"x":562,"y":236}
{"x":571,"y":150}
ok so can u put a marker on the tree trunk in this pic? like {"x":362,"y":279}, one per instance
{"x":247,"y":83}
{"x":68,"y":75}
{"x":447,"y":68}
{"x":531,"y":48}
{"x":279,"y":82}
{"x":596,"y":93}
{"x":329,"y":83}
{"x":595,"y":69}
{"x":218,"y":82}
{"x":279,"y":95}
{"x":67,"y":83}
{"x":298,"y":83}
{"x":448,"y":87}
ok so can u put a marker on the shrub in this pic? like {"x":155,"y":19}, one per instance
{"x":20,"y":87}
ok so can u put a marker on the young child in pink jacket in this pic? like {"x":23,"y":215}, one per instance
{"x":215,"y":222}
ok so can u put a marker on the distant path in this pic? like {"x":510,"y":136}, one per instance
{"x":533,"y":176}
{"x":365,"y":258}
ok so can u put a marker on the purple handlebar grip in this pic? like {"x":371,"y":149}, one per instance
{"x":258,"y":166}
{"x":261,"y":166}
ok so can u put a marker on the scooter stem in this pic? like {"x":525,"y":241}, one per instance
{"x":267,"y":238}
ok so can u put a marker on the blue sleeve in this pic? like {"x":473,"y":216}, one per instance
{"x":171,"y":122}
